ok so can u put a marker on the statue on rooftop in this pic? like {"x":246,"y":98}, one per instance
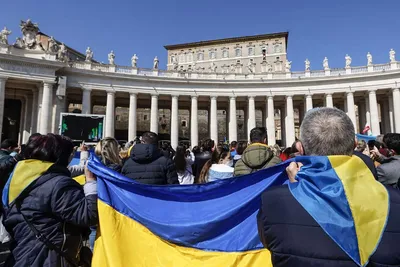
{"x":53,"y":46}
{"x":155,"y":63}
{"x":89,"y":54}
{"x":288,"y":65}
{"x":325,"y":64}
{"x":63,"y":53}
{"x":307,"y":64}
{"x":134,"y":60}
{"x":29,"y":31}
{"x":111,"y":58}
{"x":392,"y":55}
{"x":348,"y":61}
{"x":4,"y":36}
{"x":369,"y":59}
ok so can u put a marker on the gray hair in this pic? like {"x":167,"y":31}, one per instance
{"x":327,"y":131}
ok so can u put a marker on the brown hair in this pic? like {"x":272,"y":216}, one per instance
{"x":218,"y":154}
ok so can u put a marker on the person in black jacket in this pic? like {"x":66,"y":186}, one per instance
{"x":148,"y":165}
{"x":201,"y":158}
{"x":291,"y":234}
{"x":41,"y":196}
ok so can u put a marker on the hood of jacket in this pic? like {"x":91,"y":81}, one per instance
{"x":257,"y":155}
{"x":143,"y":153}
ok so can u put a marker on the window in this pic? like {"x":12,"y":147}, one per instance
{"x":117,"y":117}
{"x":277,"y":48}
{"x":172,"y":59}
{"x":200,"y":56}
{"x":182,"y":58}
{"x":184,"y":123}
{"x":251,"y":51}
{"x":212,"y":55}
{"x":238,"y":52}
{"x":225,"y":53}
{"x":145,"y":117}
{"x":190,"y":57}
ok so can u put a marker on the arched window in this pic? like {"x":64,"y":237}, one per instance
{"x":238,"y":52}
{"x":189,"y":57}
{"x":212,"y":55}
{"x":200,"y":56}
{"x":225,"y":53}
{"x":182,"y":58}
{"x":172,"y":59}
{"x":251,"y":51}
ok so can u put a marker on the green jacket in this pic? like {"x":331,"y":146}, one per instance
{"x":257,"y":156}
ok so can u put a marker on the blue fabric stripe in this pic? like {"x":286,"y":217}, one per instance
{"x":320,"y":191}
{"x":205,"y":217}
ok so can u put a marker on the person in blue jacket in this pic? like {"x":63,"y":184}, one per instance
{"x":47,"y":213}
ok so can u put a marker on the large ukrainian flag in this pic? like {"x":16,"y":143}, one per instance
{"x":215,"y":224}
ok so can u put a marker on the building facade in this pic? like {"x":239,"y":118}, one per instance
{"x":249,"y":54}
{"x":37,"y":84}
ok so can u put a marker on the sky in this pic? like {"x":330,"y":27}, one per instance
{"x":317,"y":28}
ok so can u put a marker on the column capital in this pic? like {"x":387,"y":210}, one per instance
{"x":251,"y":97}
{"x":232,"y":97}
{"x":371,"y":91}
{"x":48,"y":82}
{"x":213,"y":97}
{"x":109,"y":92}
{"x":3,"y":78}
{"x":289,"y":97}
{"x":309,"y":95}
{"x":328,"y":94}
{"x":175,"y":96}
{"x":395,"y":89}
{"x":133,"y":94}
{"x":86,"y":89}
{"x":194,"y":97}
{"x":270,"y":97}
{"x":154,"y":95}
{"x":349,"y":93}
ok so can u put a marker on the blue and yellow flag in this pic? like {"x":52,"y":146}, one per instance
{"x":215,"y":224}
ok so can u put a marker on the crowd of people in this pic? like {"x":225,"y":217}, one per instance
{"x":49,"y":216}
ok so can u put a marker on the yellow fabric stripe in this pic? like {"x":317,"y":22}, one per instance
{"x":25,"y":173}
{"x":125,"y":242}
{"x":81,"y":179}
{"x":368,"y":200}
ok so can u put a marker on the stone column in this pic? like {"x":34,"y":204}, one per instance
{"x":351,"y":112}
{"x":270,"y":110}
{"x":194,"y":127}
{"x":86,"y":101}
{"x":361,"y":116}
{"x":214,"y":120}
{"x":329,"y":101}
{"x":27,"y":119}
{"x":154,"y":114}
{"x":309,"y":102}
{"x":34,"y":114}
{"x":367,"y":113}
{"x":396,"y":109}
{"x":2,"y":99}
{"x":39,"y":108}
{"x":251,"y":123}
{"x":132,"y":129}
{"x":22,"y":119}
{"x":289,"y":121}
{"x":232,"y":119}
{"x":174,"y":122}
{"x":47,"y":105}
{"x":110,"y":114}
{"x":373,"y":105}
{"x":391,"y":114}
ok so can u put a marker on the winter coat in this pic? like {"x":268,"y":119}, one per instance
{"x":256,"y":156}
{"x":7,"y":164}
{"x":219,"y":172}
{"x":148,"y":165}
{"x":389,"y":171}
{"x":58,"y":207}
{"x":294,"y":238}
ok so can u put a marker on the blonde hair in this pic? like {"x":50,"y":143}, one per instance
{"x":108,"y":151}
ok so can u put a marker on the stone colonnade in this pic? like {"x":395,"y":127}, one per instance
{"x":368,"y":111}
